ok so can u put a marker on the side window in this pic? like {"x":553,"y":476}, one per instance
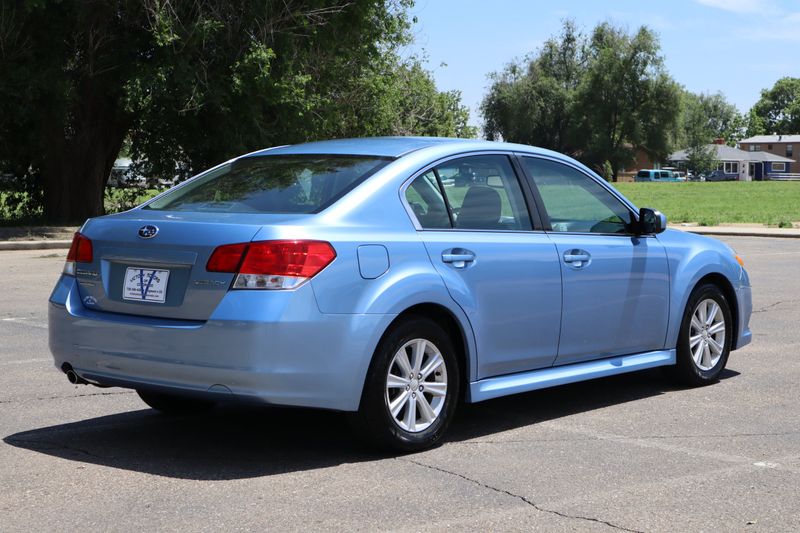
{"x":427,"y":202}
{"x":574,"y":201}
{"x":483,"y":192}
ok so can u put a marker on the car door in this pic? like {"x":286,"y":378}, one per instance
{"x":615,"y":283}
{"x":501,"y":269}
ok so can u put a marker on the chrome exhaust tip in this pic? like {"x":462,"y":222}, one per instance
{"x":73,"y":376}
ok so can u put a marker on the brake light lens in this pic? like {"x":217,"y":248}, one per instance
{"x":226,"y":258}
{"x":272,"y":264}
{"x":80,"y":251}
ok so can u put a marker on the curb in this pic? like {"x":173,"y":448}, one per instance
{"x":34,"y":245}
{"x":745,"y":233}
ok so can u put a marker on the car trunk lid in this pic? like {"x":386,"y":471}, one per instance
{"x":163,"y":275}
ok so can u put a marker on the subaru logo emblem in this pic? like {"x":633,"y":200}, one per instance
{"x":148,"y":232}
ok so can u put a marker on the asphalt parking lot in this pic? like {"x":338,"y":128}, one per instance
{"x":631,"y":453}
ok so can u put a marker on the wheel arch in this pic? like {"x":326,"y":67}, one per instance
{"x":454,"y":323}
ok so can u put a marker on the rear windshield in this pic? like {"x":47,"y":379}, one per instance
{"x":272,"y":184}
{"x":643,"y":174}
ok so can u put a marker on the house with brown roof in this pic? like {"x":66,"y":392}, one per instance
{"x":737,"y":164}
{"x":786,"y":146}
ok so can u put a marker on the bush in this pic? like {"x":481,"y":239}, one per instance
{"x":19,"y":207}
{"x":119,"y":199}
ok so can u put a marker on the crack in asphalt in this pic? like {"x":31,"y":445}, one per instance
{"x":770,"y":306}
{"x":44,"y":398}
{"x":519,"y":497}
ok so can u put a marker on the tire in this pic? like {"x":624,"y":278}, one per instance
{"x":399,"y":411}
{"x":171,"y":404}
{"x":702,"y":352}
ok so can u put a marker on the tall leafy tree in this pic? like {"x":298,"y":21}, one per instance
{"x":778,"y":109}
{"x":698,"y":134}
{"x":712,"y":115}
{"x":599,"y":97}
{"x":703,"y":119}
{"x":195,"y":82}
{"x":626,"y":100}
{"x":533,"y":101}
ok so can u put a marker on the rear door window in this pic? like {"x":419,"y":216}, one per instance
{"x":476,"y":192}
{"x":272,"y":184}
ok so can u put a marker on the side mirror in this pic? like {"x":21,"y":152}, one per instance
{"x":651,"y":221}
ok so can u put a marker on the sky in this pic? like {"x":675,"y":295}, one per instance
{"x":737,"y":47}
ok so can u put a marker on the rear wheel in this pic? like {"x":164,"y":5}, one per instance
{"x":174,"y":405}
{"x":705,"y":338}
{"x":412,"y":388}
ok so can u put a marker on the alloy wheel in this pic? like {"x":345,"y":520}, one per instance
{"x":707,"y":334}
{"x":416,"y":385}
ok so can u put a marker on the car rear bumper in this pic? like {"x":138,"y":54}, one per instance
{"x":274,"y":348}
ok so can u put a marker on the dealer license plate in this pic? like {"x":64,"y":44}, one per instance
{"x":145,"y":285}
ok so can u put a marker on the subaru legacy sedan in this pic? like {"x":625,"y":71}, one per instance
{"x":390,"y":278}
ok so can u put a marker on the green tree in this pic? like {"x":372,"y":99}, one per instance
{"x":396,"y":97}
{"x":626,"y":99}
{"x":599,"y":98}
{"x":699,"y":133}
{"x":778,"y":109}
{"x":533,"y":101}
{"x":193,"y":83}
{"x":714,"y":115}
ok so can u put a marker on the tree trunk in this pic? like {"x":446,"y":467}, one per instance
{"x":76,"y":167}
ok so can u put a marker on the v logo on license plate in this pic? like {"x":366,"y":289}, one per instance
{"x":144,"y":288}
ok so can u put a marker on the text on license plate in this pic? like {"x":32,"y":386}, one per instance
{"x":145,"y":285}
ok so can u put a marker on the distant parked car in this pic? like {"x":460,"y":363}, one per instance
{"x":346,"y":275}
{"x":718,"y":175}
{"x":656,"y":175}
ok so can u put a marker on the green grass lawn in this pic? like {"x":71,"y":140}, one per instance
{"x":762,"y":202}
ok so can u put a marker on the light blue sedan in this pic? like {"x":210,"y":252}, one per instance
{"x":390,"y":278}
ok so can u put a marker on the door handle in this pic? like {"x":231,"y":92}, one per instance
{"x":458,"y":257}
{"x":577,"y":258}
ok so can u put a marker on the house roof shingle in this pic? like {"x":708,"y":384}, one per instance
{"x":772,"y":139}
{"x":728,"y":153}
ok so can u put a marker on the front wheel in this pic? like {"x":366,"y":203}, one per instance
{"x":412,"y":388}
{"x":705,"y":338}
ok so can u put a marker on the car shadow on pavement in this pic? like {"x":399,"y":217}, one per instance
{"x":236,"y":442}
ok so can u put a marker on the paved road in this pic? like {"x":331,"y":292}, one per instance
{"x":626,"y":453}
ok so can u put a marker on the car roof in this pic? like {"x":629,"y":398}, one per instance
{"x":396,"y":146}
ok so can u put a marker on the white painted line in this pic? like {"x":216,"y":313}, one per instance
{"x":24,"y":320}
{"x":25,"y":361}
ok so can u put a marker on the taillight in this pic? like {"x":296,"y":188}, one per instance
{"x":80,"y":251}
{"x":226,"y":258}
{"x":271,"y":264}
